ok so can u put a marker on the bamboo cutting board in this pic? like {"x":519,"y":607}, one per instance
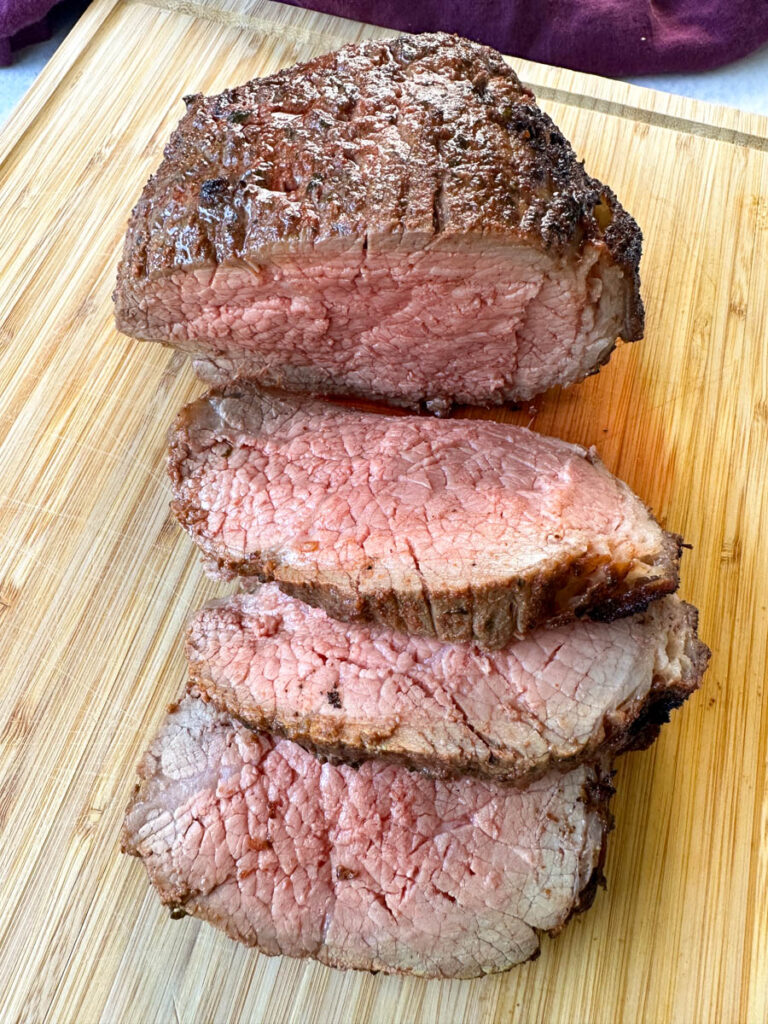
{"x":96,"y":580}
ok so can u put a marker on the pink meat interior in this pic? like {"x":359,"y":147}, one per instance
{"x":269,"y":658}
{"x":372,"y":867}
{"x":374,"y":502}
{"x":471,"y":322}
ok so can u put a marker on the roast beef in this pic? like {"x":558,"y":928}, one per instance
{"x":359,"y":691}
{"x":376,"y":867}
{"x":397,"y":220}
{"x":465,"y":530}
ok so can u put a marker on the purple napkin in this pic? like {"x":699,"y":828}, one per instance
{"x":608,"y":37}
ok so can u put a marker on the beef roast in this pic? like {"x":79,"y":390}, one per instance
{"x":460,"y":529}
{"x":359,"y":691}
{"x":397,"y":220}
{"x":376,"y":867}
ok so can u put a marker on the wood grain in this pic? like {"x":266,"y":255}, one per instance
{"x":96,"y":581}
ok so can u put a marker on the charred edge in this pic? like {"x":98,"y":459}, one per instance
{"x":596,"y":881}
{"x":646,"y":727}
{"x":597,"y":797}
{"x":571,"y":216}
{"x":632,"y":603}
{"x":625,"y":244}
{"x":637,"y":600}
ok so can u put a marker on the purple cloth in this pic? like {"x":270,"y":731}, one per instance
{"x":608,"y":37}
{"x":22,"y":23}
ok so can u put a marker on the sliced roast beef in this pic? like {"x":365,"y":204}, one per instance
{"x":376,"y":867}
{"x":359,"y":691}
{"x":397,"y":220}
{"x":463,"y":530}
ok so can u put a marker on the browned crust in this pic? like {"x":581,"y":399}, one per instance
{"x":545,"y":193}
{"x":491,"y":616}
{"x":494,"y":616}
{"x":204,"y":205}
{"x":352,"y":751}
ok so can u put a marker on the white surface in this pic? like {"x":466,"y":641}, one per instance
{"x":743,"y":84}
{"x":28,"y":63}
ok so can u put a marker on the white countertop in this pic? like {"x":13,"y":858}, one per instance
{"x":742,"y":84}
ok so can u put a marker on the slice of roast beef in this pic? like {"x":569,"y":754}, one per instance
{"x":377,"y":867}
{"x":359,"y":691}
{"x":460,"y":529}
{"x":395,"y":220}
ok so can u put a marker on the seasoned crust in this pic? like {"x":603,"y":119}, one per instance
{"x":360,"y":143}
{"x":642,"y":726}
{"x":490,"y":616}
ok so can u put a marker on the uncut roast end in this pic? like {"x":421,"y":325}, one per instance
{"x":397,"y":220}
